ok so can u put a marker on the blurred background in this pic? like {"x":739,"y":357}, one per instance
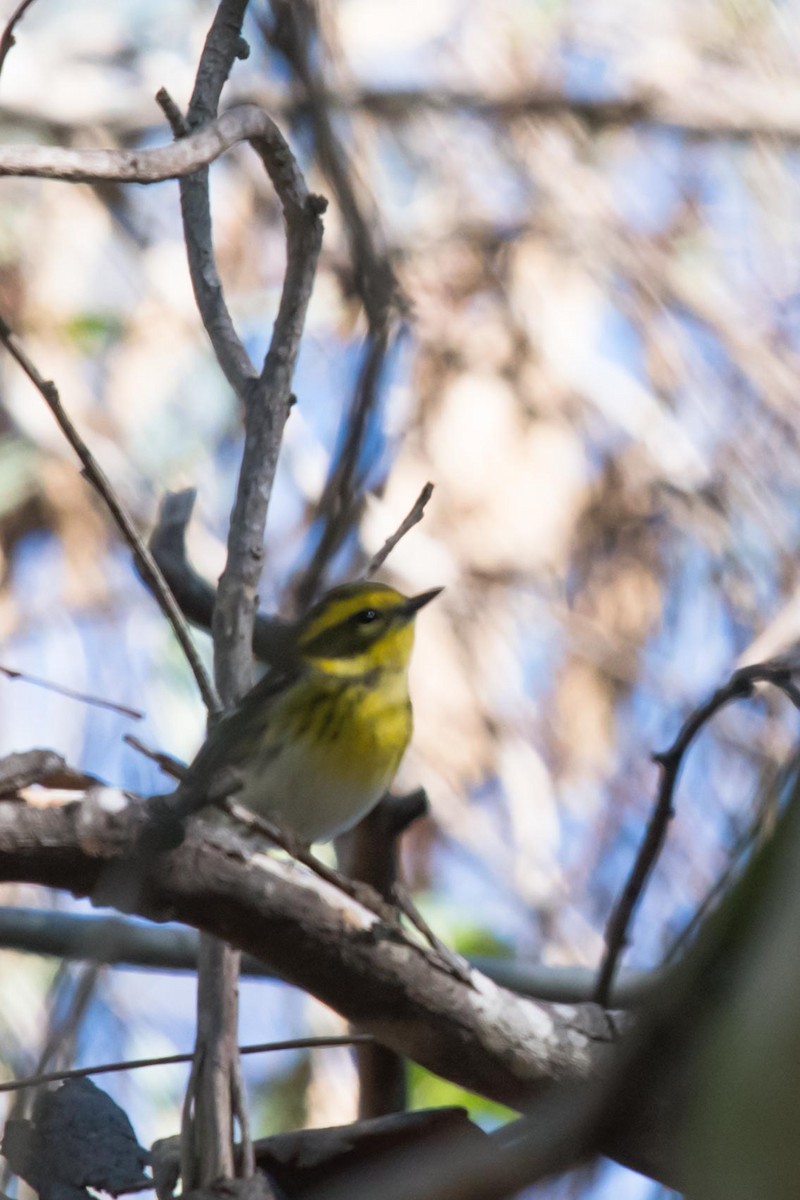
{"x":590,"y":346}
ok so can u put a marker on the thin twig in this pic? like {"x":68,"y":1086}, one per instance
{"x":230,"y":352}
{"x":99,"y":480}
{"x":356,"y":889}
{"x":8,"y":41}
{"x":459,"y":967}
{"x":177,"y":122}
{"x":60,"y":690}
{"x":740,"y":686}
{"x":414,"y":517}
{"x":169,"y":765}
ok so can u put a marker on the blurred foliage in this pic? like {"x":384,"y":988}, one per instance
{"x":597,"y":370}
{"x":431,"y":1091}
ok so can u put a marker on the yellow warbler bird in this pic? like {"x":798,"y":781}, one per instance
{"x":318,"y":740}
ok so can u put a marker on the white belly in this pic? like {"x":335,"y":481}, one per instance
{"x":303,"y":796}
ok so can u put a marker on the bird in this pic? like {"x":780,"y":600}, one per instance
{"x":317,"y":741}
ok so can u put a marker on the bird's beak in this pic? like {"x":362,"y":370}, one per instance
{"x":415,"y":603}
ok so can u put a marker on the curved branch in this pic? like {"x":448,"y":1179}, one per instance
{"x":223,"y":45}
{"x":740,"y":686}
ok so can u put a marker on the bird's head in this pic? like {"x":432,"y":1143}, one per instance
{"x":359,"y":628}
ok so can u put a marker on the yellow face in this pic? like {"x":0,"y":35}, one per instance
{"x":360,"y":628}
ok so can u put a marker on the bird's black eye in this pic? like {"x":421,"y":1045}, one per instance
{"x":366,"y":616}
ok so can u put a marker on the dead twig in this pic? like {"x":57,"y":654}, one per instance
{"x":415,"y":515}
{"x":169,"y":765}
{"x":71,"y":694}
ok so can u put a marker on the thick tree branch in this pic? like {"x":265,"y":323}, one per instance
{"x":315,"y":937}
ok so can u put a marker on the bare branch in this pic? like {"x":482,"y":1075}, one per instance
{"x":230,"y":352}
{"x":388,"y":909}
{"x":296,"y":34}
{"x":563,"y":1130}
{"x":169,"y":765}
{"x":216,"y":1093}
{"x":71,"y":694}
{"x":415,"y":515}
{"x":317,"y":938}
{"x":296,"y":1161}
{"x":267,"y":409}
{"x":735,"y":110}
{"x":136,"y":1064}
{"x":740,"y":686}
{"x":244,"y":124}
{"x":223,"y":45}
{"x":99,"y":480}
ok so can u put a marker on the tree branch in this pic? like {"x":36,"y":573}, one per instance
{"x":223,"y":45}
{"x":243,"y":124}
{"x":312,"y":936}
{"x":415,"y":515}
{"x":740,"y":686}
